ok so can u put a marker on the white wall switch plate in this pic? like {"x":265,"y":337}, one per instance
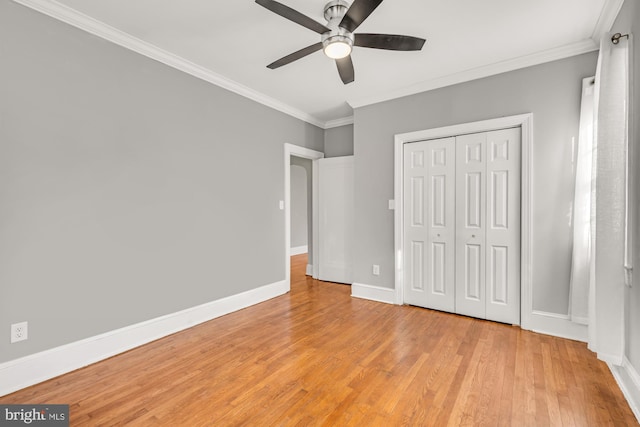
{"x":376,"y":270}
{"x":392,"y":204}
{"x":281,"y":205}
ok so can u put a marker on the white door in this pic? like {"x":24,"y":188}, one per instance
{"x":503,"y":226}
{"x":480,"y":230}
{"x":429,"y":175}
{"x":335,"y":225}
{"x":471,"y":199}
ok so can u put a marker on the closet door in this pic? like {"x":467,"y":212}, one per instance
{"x":462,"y":225}
{"x":503,"y":226}
{"x":488,"y":225}
{"x":429,"y":224}
{"x":471,"y":224}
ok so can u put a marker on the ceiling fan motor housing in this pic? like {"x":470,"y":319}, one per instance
{"x":334,"y":11}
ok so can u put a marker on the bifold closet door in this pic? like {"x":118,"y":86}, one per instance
{"x":429,"y":224}
{"x":488,"y":225}
{"x":462,"y":225}
{"x":503,"y":226}
{"x":470,"y":224}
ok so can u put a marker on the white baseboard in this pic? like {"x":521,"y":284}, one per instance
{"x":629,"y":382}
{"x":309,"y":271}
{"x":610,"y":359}
{"x":374,"y":293}
{"x":298,"y":250}
{"x":558,"y":325}
{"x":35,"y":368}
{"x":581,"y":320}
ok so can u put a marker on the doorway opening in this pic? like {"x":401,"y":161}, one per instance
{"x":290,"y":151}
{"x":300,"y":193}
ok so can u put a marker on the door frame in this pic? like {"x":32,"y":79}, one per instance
{"x":525,"y":122}
{"x":314,"y":156}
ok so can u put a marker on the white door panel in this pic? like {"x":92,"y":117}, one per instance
{"x":429,"y":223}
{"x":335,"y":225}
{"x":470,"y":224}
{"x":503,"y":230}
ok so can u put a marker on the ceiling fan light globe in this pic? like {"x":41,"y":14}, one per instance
{"x":337,"y":50}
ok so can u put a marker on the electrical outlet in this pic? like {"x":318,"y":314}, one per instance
{"x":376,"y":270}
{"x":19,"y":332}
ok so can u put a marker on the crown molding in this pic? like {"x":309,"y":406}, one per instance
{"x":608,"y":16}
{"x":100,"y":29}
{"x":562,"y":52}
{"x":338,"y":122}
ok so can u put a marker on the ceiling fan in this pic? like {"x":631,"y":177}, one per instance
{"x":338,"y":39}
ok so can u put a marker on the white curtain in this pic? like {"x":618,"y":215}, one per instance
{"x":608,"y":202}
{"x":581,"y":258}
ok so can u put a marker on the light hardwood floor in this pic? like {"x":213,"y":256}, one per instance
{"x":317,"y":356}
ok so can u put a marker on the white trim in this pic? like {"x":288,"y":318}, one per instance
{"x":549,"y":314}
{"x":525,"y":121}
{"x":315,"y":219}
{"x":580,"y":319}
{"x":338,"y":122}
{"x":98,"y":28}
{"x":373,"y":293}
{"x":398,"y":214}
{"x":558,"y":325}
{"x":299,"y":250}
{"x":629,"y":382}
{"x":309,"y":270}
{"x":562,"y":52}
{"x":35,"y":368}
{"x":610,"y":359}
{"x":606,"y":20}
{"x":296,"y":150}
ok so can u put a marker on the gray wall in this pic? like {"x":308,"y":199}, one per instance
{"x":550,"y":91}
{"x":628,"y":21}
{"x":307,"y":164}
{"x":338,"y":141}
{"x":300,"y":202}
{"x":122,"y":197}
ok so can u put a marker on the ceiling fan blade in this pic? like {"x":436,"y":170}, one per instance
{"x":345,"y":69}
{"x":295,"y":56}
{"x":357,"y":13}
{"x":388,"y":41}
{"x":293,"y":15}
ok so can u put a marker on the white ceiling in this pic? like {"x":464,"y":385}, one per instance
{"x":230,"y":43}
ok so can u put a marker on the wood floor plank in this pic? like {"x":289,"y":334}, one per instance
{"x":317,"y":356}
